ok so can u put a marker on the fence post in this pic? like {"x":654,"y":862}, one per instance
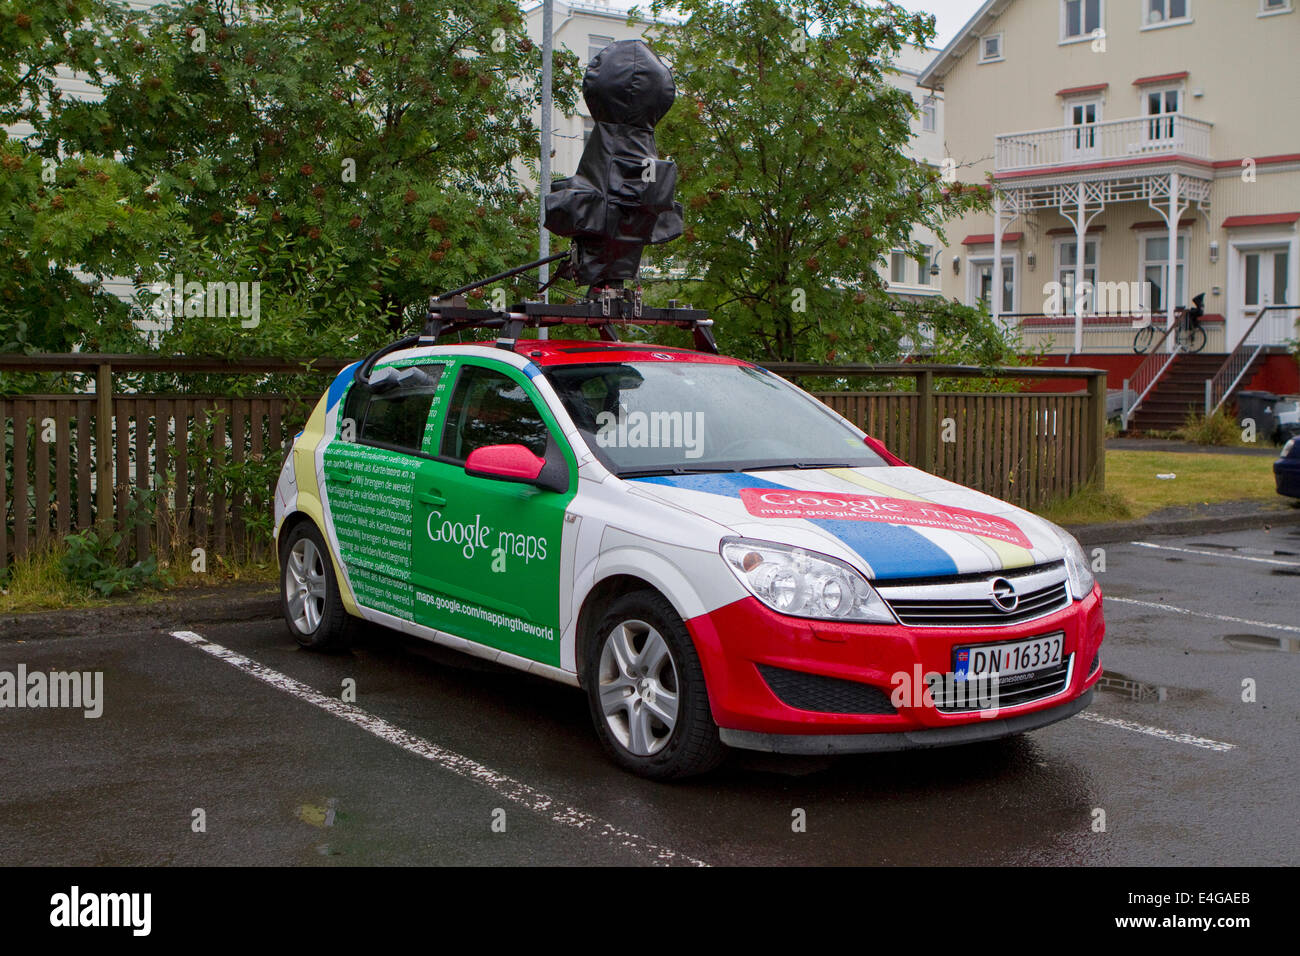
{"x":925,"y":458}
{"x":104,"y":444}
{"x":1097,"y":440}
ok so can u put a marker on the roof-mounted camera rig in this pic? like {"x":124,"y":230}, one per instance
{"x":619,"y":201}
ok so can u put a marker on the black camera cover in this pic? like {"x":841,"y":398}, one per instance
{"x":621,"y":197}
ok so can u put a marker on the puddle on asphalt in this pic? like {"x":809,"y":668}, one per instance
{"x":1263,"y":642}
{"x":1287,"y":572}
{"x":1116,"y":683}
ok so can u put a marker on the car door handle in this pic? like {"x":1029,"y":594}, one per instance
{"x":431,"y":497}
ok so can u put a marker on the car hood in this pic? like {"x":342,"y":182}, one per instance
{"x":891,"y":522}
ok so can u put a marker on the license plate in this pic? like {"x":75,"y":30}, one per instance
{"x":1013,"y":659}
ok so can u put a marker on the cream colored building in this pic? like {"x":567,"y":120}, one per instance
{"x":1115,"y":131}
{"x":585,"y":28}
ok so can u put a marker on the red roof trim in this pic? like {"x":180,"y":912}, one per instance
{"x":1161,"y":78}
{"x":986,"y":238}
{"x":1076,"y":90}
{"x":1272,"y":219}
{"x":1160,"y":224}
{"x":1111,"y":164}
{"x":1259,"y":160}
{"x":1069,"y":230}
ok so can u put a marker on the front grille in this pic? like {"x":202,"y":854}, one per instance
{"x":825,"y":695}
{"x":967,"y":600}
{"x":1096,"y":663}
{"x":1020,"y":689}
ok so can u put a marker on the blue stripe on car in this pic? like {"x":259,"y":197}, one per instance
{"x":339,"y":385}
{"x":893,"y":551}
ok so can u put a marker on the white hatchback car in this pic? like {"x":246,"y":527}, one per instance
{"x":713,"y":555}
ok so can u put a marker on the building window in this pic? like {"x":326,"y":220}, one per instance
{"x":595,"y":44}
{"x":981,"y":271}
{"x":923,"y":265}
{"x":991,"y":48}
{"x":1269,"y":7}
{"x":1067,"y":263}
{"x":897,"y":267}
{"x":929,"y":114}
{"x":1163,"y":104}
{"x":1083,"y":116}
{"x":1155,"y":271}
{"x":1080,"y":18}
{"x":1166,"y":12}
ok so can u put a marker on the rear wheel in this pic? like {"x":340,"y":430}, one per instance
{"x":646,"y":692}
{"x":309,"y":592}
{"x":1195,"y":339}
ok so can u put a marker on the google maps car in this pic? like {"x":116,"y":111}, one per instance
{"x":715,"y":557}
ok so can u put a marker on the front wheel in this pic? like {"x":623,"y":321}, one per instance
{"x":309,"y":593}
{"x":646,"y":692}
{"x":1195,"y":339}
{"x":1142,"y":341}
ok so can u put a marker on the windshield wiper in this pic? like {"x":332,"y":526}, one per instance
{"x":675,"y":470}
{"x":801,"y":465}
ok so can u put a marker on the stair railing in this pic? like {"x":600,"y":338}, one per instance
{"x":1138,"y":386}
{"x":1224,"y":382}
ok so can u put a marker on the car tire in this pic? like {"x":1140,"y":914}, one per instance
{"x":638,"y":657}
{"x":309,"y":592}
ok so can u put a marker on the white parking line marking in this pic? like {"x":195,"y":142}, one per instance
{"x":1215,"y":554}
{"x":1227,"y":618}
{"x":1169,"y":735}
{"x":507,"y":787}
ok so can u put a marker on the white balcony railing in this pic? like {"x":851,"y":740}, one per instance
{"x":1104,"y":142}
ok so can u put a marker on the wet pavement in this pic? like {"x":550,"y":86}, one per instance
{"x":444,"y":759}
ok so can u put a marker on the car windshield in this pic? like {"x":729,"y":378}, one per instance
{"x":648,"y":418}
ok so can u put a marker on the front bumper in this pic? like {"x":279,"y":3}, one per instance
{"x":1286,"y":473}
{"x":743,"y":645}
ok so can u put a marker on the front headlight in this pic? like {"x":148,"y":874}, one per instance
{"x":804,"y":584}
{"x":1286,"y":449}
{"x":1077,"y":568}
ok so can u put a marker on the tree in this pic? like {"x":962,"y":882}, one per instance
{"x":349,"y":158}
{"x":795,"y":180}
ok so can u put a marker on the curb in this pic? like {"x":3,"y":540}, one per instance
{"x":1114,"y":531}
{"x":219,"y":605}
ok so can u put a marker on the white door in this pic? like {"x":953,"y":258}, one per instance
{"x":1081,"y":136}
{"x":1265,"y":273}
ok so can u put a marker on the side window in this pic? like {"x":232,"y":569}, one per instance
{"x":490,"y":408}
{"x":394,"y":411}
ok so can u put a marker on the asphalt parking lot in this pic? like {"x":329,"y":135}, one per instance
{"x":445,"y":760}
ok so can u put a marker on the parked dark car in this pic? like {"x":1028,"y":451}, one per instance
{"x":1287,"y":426}
{"x":1286,"y":470}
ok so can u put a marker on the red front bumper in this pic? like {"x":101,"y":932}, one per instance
{"x":734,"y":640}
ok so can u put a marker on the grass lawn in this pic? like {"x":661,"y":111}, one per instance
{"x":1134,"y":491}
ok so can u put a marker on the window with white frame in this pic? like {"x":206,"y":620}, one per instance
{"x":1081,"y":18}
{"x":923,"y":265}
{"x":929,"y":114}
{"x":595,"y":44}
{"x":1067,"y":265}
{"x":981,"y":278}
{"x":1167,"y":12}
{"x":1083,"y":116}
{"x":1155,"y":270}
{"x":1162,"y":105}
{"x":1270,"y":7}
{"x":991,"y":48}
{"x":898,"y":267}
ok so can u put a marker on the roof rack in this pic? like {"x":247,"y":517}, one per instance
{"x":609,"y":308}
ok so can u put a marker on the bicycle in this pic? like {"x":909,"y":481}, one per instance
{"x":1189,"y":336}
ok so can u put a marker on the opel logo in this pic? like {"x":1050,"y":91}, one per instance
{"x":1004,"y":595}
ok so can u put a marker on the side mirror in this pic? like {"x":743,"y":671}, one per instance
{"x":876,"y":445}
{"x":508,"y":462}
{"x":517,"y":463}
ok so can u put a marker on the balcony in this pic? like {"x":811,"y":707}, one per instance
{"x":1114,"y":142}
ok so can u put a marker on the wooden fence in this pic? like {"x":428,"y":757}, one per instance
{"x":205,"y":466}
{"x":1029,"y":448}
